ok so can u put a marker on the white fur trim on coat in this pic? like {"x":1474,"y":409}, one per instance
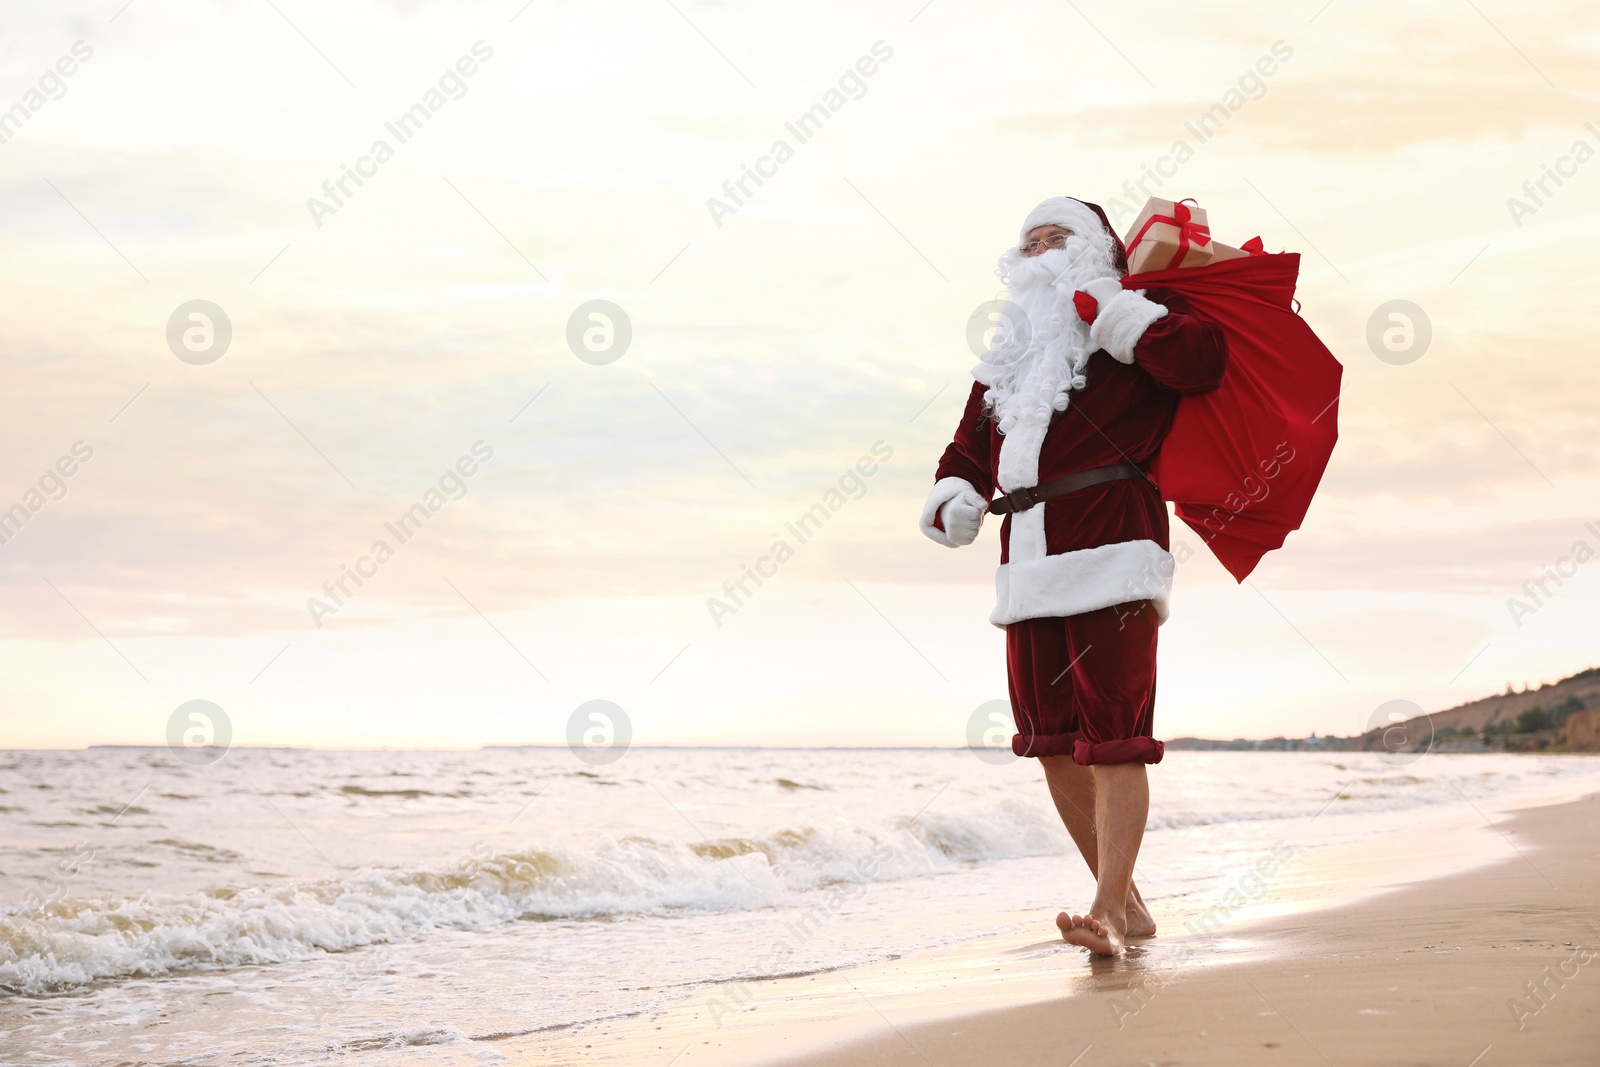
{"x":1026,"y":539}
{"x":1071,"y":583}
{"x":1018,"y":465}
{"x":1119,"y":324}
{"x":944,"y":491}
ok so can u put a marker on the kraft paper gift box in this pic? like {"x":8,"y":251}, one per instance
{"x":1221,"y":252}
{"x":1169,"y":234}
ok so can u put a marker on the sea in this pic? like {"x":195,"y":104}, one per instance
{"x":289,"y":906}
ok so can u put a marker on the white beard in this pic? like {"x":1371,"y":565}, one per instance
{"x":1041,"y":346}
{"x":1038,"y":356}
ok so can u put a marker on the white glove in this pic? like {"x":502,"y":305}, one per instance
{"x":1122,"y":320}
{"x":1104,"y":290}
{"x":963,"y":518}
{"x":960,"y":509}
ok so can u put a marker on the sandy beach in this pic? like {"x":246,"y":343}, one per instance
{"x":1389,"y":912}
{"x":1429,"y":974}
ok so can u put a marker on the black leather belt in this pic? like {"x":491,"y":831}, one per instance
{"x":1023,"y":499}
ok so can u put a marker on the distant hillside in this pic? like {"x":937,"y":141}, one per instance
{"x":1580,"y":691}
{"x":1532,"y":720}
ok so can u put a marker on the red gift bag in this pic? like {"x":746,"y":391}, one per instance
{"x":1241,"y":463}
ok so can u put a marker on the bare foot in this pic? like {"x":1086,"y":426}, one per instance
{"x":1140,"y":921}
{"x":1094,"y":933}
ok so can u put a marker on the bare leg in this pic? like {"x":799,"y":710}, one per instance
{"x":1122,"y":795}
{"x":1072,"y":789}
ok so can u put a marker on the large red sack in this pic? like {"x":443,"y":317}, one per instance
{"x":1241,"y":463}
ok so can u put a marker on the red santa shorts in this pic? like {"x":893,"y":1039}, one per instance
{"x":1085,"y":685}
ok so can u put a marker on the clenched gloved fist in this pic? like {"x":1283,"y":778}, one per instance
{"x":1101,"y":292}
{"x":954,"y":513}
{"x":963,"y":517}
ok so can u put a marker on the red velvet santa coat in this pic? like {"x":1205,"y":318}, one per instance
{"x":1107,"y":544}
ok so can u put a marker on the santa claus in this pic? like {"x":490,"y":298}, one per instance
{"x":1069,"y":408}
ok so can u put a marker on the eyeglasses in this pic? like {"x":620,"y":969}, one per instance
{"x":1055,"y":240}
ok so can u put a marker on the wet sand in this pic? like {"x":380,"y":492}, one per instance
{"x":1496,"y":965}
{"x":1401,"y":948}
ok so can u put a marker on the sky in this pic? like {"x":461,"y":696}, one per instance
{"x":429,"y":321}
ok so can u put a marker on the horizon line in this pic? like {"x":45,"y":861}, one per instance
{"x":511,"y":746}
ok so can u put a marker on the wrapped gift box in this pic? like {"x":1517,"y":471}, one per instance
{"x":1221,"y":252}
{"x":1169,"y":234}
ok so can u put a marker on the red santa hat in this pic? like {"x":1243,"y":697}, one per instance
{"x":1083,"y":218}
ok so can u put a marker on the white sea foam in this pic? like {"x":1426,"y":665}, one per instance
{"x":78,"y":941}
{"x":204,"y":875}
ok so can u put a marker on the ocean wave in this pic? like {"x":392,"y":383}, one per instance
{"x":1357,"y":796}
{"x":77,"y":941}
